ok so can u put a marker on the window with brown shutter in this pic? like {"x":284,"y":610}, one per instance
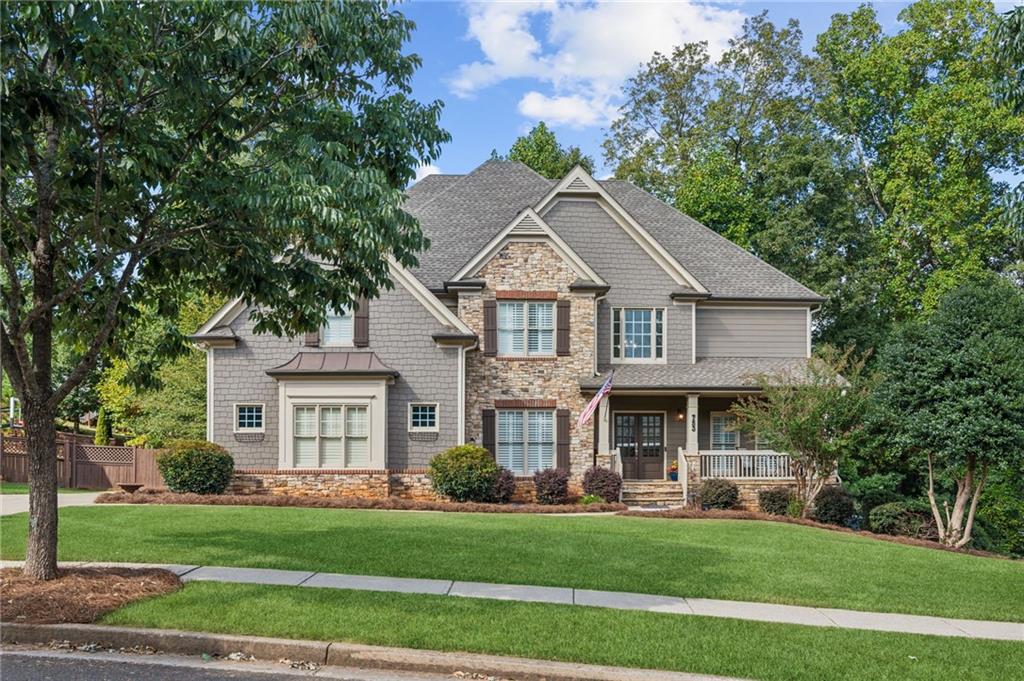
{"x":490,"y":330}
{"x":361,"y":324}
{"x":488,"y":438}
{"x":562,"y":328}
{"x":562,"y":439}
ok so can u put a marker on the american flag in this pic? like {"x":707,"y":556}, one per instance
{"x":592,"y":405}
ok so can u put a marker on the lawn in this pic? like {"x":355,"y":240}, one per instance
{"x":730,"y":559}
{"x":575,"y":634}
{"x":22,"y":488}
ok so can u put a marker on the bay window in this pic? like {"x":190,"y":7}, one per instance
{"x":331,"y":436}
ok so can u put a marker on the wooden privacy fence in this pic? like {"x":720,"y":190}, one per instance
{"x":85,"y":466}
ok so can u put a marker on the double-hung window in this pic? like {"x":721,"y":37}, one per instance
{"x":638,"y":334}
{"x":526,"y":440}
{"x":331,"y":436}
{"x":526,"y":328}
{"x":724,"y":436}
{"x":337,"y":329}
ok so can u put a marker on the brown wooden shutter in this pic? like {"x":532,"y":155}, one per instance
{"x":562,"y":328}
{"x":562,"y":439}
{"x":312,"y":339}
{"x":361,"y":324}
{"x":490,"y":328}
{"x":489,"y":431}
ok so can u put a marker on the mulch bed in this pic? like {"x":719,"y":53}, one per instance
{"x":718,"y":514}
{"x":81,"y":595}
{"x":389,"y":504}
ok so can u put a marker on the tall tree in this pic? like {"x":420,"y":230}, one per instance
{"x":540,"y":150}
{"x":952,"y":392}
{"x":916,"y":109}
{"x":153,"y":148}
{"x":1009,"y":38}
{"x":735,"y":145}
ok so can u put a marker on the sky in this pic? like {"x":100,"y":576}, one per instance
{"x":500,"y":67}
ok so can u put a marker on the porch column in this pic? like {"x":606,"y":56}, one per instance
{"x":604,"y":431}
{"x":692,"y":425}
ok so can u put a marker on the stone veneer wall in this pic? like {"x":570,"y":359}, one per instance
{"x":532,"y":267}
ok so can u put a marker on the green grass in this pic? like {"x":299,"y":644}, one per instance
{"x":22,"y":488}
{"x":730,"y":559}
{"x":575,"y":634}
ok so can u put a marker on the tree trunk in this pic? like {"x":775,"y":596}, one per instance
{"x":41,"y":442}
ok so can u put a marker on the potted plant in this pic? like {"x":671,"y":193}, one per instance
{"x":673,"y":470}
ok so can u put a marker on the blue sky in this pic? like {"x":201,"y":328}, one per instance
{"x":501,"y":67}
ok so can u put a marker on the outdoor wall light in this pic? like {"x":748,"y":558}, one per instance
{"x":680,"y":415}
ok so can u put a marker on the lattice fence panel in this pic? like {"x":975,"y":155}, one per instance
{"x":103,"y":454}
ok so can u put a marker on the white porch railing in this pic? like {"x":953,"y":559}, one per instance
{"x":745,"y":464}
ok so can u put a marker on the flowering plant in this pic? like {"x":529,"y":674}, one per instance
{"x":673,"y":467}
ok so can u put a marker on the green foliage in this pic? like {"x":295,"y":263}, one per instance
{"x":902,"y":518}
{"x":719,"y":493}
{"x":588,"y":499}
{"x":1002,"y":515}
{"x":774,"y":500}
{"x":464,"y":473}
{"x":1009,"y":49}
{"x":873,"y":490}
{"x":540,"y":150}
{"x":815,"y":415}
{"x":552,"y":486}
{"x":953,"y":385}
{"x":834,"y":506}
{"x":104,"y":428}
{"x":196,"y":466}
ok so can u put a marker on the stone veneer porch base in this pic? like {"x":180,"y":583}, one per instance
{"x":406,"y":483}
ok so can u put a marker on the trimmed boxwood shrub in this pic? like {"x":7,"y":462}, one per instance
{"x":774,"y":500}
{"x":908,"y":519}
{"x":552,"y":486}
{"x":196,"y":466}
{"x":834,"y":506}
{"x":719,"y":493}
{"x":464,"y":473}
{"x":504,"y":486}
{"x":602,"y":482}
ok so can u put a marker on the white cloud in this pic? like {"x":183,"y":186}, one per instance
{"x":424,"y":170}
{"x":583,"y":53}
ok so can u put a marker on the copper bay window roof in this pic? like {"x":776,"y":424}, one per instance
{"x":327,"y":363}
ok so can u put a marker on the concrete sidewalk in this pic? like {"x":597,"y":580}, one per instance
{"x":742,"y":610}
{"x":18,"y":503}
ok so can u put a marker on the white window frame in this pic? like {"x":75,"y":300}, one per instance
{"x":616,"y":353}
{"x":344,"y":406}
{"x":525,"y":419}
{"x":425,"y":429}
{"x":525,"y":304}
{"x":263,"y":417}
{"x":345,"y":343}
{"x":711,"y":431}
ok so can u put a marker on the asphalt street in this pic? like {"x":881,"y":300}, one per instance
{"x":43,"y":665}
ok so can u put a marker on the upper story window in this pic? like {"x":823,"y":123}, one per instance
{"x":337,"y":329}
{"x":526,"y":328}
{"x":724,"y":436}
{"x":638,"y":334}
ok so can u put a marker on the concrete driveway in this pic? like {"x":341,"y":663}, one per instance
{"x":18,"y":503}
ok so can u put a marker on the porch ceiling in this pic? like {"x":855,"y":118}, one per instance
{"x":711,"y":373}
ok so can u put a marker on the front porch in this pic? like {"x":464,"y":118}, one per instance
{"x":640,"y":436}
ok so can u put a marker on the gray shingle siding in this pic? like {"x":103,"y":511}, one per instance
{"x":636,"y":280}
{"x":400,"y":335}
{"x":745,"y":332}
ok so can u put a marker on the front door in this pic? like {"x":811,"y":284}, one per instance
{"x":640,"y":439}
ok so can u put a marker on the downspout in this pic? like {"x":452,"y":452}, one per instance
{"x":461,"y":437}
{"x":593,"y":453}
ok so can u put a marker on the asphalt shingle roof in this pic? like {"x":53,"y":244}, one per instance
{"x":711,"y":372}
{"x":462,"y":213}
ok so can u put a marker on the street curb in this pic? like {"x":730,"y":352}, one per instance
{"x":334,"y":654}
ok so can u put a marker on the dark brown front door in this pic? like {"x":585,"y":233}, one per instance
{"x":640,"y":439}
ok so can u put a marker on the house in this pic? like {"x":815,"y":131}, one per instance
{"x":532,"y":292}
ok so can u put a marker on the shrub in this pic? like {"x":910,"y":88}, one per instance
{"x":588,"y":499}
{"x":552,"y":486}
{"x":464,"y":473}
{"x":602,"y":482}
{"x":719,"y":493}
{"x":504,"y":486}
{"x":795,"y":508}
{"x":774,"y":500}
{"x":196,"y":466}
{"x":104,"y":428}
{"x":834,"y":506}
{"x":874,"y":490}
{"x":909,"y":519}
